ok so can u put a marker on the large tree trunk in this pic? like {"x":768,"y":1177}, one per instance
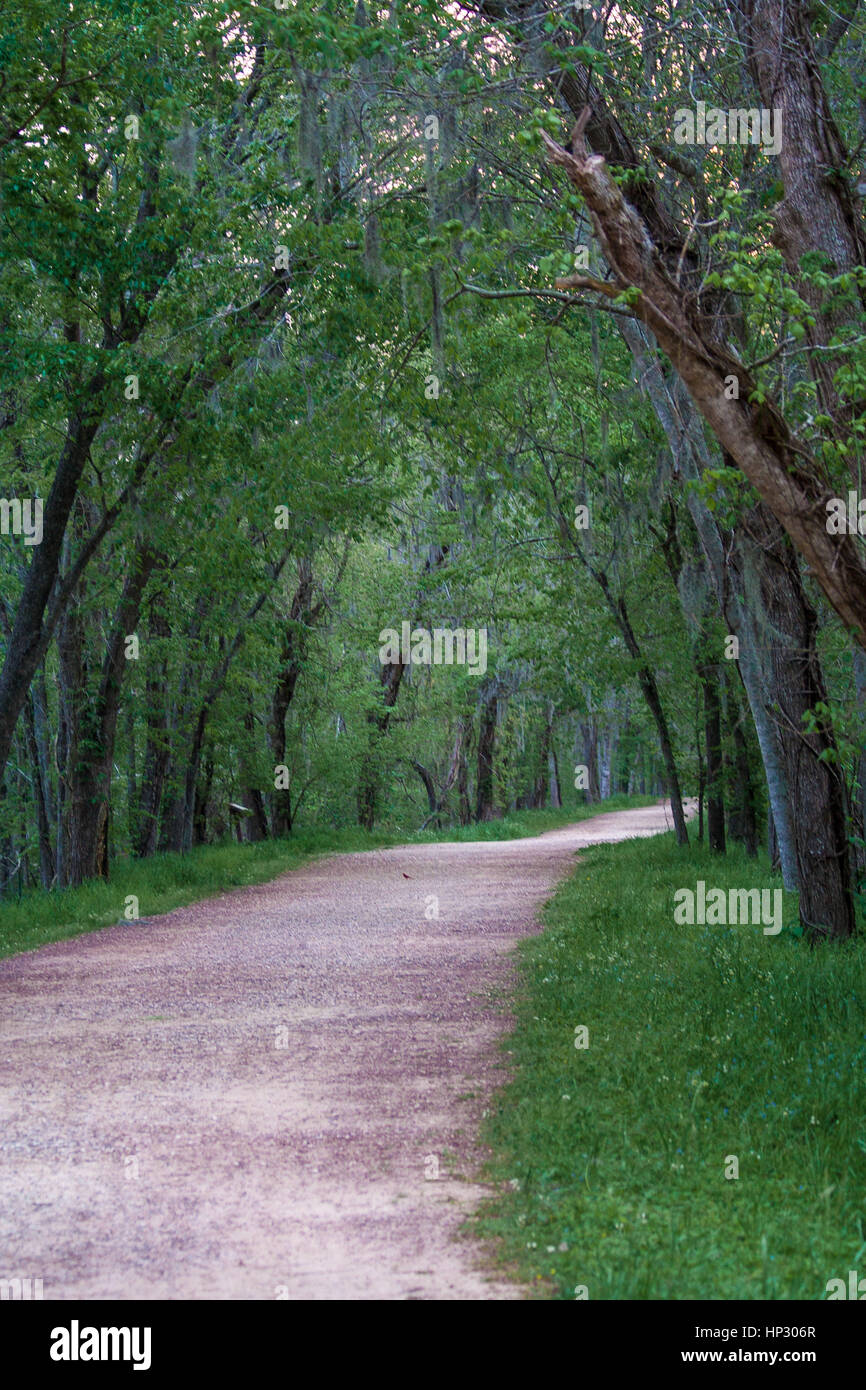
{"x":757,"y":581}
{"x":784,"y":643}
{"x":724,"y":556}
{"x":702,"y":783}
{"x":29,"y":639}
{"x":755,"y":435}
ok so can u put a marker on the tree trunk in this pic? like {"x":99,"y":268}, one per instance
{"x":748,"y":426}
{"x":291,"y":664}
{"x":390,"y":679}
{"x":589,"y":736}
{"x":709,"y":676}
{"x":743,"y":823}
{"x":817,"y":212}
{"x":30,"y":636}
{"x":647,"y":681}
{"x":185,"y":807}
{"x":202,"y":797}
{"x":772,"y":840}
{"x":429,"y":787}
{"x":608,"y":755}
{"x":257,"y":824}
{"x":157,"y":749}
{"x":760,"y":591}
{"x":860,"y":769}
{"x":40,"y":795}
{"x":553,"y":764}
{"x":484,"y":804}
{"x":94,"y":725}
{"x":540,"y":788}
{"x":458,"y":772}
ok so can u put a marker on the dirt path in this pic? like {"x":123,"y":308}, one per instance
{"x":250,"y":1097}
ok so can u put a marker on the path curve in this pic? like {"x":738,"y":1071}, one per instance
{"x":251,"y":1097}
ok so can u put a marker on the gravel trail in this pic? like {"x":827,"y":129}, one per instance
{"x":274,"y":1093}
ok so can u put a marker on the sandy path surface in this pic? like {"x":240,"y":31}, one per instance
{"x":252,"y":1097}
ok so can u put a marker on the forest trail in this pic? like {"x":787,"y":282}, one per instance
{"x":248,"y":1098}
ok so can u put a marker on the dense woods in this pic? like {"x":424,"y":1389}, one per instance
{"x":328,"y":329}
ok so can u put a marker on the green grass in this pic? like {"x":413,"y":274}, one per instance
{"x":166,"y":881}
{"x":518,"y":824}
{"x":704,"y":1042}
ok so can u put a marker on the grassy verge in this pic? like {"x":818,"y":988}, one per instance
{"x":704,"y":1043}
{"x":166,"y":881}
{"x":518,"y":824}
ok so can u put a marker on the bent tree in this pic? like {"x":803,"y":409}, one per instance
{"x":756,"y":436}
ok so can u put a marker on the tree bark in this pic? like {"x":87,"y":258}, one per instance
{"x":485,"y":809}
{"x":729,"y":557}
{"x":540,"y":786}
{"x":40,"y":795}
{"x":743,"y":821}
{"x":257,"y":823}
{"x":157,"y":751}
{"x":649,"y":687}
{"x":429,"y":787}
{"x":817,"y":211}
{"x":458,"y":772}
{"x":94,"y":725}
{"x":753,"y":432}
{"x":202,"y":797}
{"x":553,"y":770}
{"x":709,"y":678}
{"x":589,"y":736}
{"x":291,"y":664}
{"x":28,"y":641}
{"x":760,"y":591}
